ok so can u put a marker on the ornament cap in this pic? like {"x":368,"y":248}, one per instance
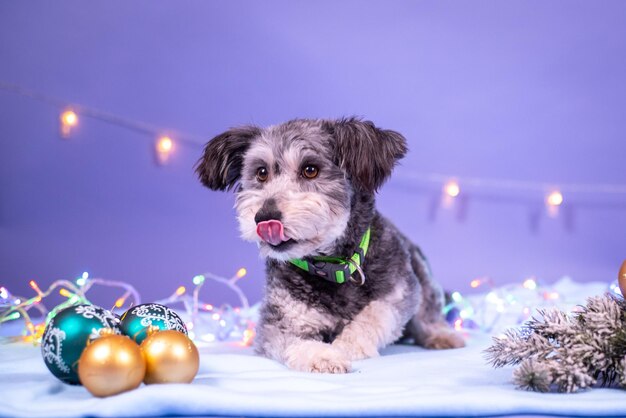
{"x":152,"y":329}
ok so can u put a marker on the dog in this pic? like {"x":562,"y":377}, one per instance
{"x":342,"y":281}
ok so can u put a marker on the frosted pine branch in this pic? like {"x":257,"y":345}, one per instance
{"x":568,"y":352}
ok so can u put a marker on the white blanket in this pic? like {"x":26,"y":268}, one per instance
{"x":232,"y":381}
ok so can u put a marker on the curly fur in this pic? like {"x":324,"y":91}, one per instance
{"x":306,"y":322}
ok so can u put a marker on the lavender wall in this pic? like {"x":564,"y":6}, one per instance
{"x":532,"y":90}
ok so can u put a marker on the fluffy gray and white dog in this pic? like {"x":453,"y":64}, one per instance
{"x":304,"y":189}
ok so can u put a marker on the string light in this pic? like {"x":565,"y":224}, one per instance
{"x":486,"y":312}
{"x":223,"y":323}
{"x":530,"y":284}
{"x":163,"y":147}
{"x":34,"y":286}
{"x":13,"y":307}
{"x":216,"y":324}
{"x":452,"y":188}
{"x":68,"y":120}
{"x":554,"y":199}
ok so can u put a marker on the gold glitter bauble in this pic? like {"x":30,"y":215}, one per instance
{"x":621,"y":279}
{"x":171,"y":357}
{"x":110,"y":365}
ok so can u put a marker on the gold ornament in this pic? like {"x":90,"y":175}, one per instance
{"x":171,"y":357}
{"x":621,"y":278}
{"x":110,"y":365}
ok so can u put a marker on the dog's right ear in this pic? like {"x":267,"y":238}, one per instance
{"x":220,"y":166}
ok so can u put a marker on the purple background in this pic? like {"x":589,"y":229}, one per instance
{"x":532,"y":90}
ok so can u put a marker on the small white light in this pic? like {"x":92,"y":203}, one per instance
{"x":452,"y":188}
{"x":554,"y":199}
{"x":68,"y":119}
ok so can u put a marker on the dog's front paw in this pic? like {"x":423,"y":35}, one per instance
{"x":317,"y":357}
{"x":356,"y":349}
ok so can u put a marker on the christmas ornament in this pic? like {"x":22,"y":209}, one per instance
{"x":67,"y":334}
{"x":110,"y":365}
{"x":171,"y":357}
{"x":621,"y":279}
{"x":136,"y":320}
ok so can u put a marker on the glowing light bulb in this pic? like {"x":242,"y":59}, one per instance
{"x":181,"y":290}
{"x":456,"y":296}
{"x":458,"y":324}
{"x":33,"y":284}
{"x":165,"y":144}
{"x":199,"y":279}
{"x":12,"y":316}
{"x":475,"y":283}
{"x":119,"y":302}
{"x":4,"y":293}
{"x":68,"y":120}
{"x":248,"y":335}
{"x":241,"y":272}
{"x":66,"y":293}
{"x":530,"y":284}
{"x":555,"y":198}
{"x":452,"y":188}
{"x":164,"y":147}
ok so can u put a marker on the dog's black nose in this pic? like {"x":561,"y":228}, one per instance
{"x":268,"y":211}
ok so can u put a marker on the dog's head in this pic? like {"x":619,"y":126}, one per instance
{"x":296,"y":181}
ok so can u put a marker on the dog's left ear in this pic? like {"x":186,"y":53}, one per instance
{"x":367,"y":153}
{"x":220,"y":166}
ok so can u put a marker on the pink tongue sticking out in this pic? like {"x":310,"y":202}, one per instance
{"x":271,"y":232}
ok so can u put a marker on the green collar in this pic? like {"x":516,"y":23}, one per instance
{"x":337,"y":269}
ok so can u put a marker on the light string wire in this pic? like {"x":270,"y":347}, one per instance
{"x":197,"y":142}
{"x":504,"y":184}
{"x":190,"y":140}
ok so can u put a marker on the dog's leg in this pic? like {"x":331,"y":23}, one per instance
{"x":377,"y":325}
{"x":291,"y":332}
{"x":428,"y":327}
{"x":305,"y":355}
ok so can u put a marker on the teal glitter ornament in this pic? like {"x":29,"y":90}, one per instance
{"x":136,"y":320}
{"x":67,"y":334}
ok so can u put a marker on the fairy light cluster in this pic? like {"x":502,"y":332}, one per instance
{"x":13,"y":307}
{"x":208,"y":323}
{"x":487,"y":311}
{"x":495,"y":307}
{"x":205,"y":322}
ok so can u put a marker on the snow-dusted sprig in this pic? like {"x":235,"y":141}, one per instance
{"x":568,"y":352}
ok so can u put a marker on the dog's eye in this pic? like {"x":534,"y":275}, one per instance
{"x":261,"y":174}
{"x":310,"y":171}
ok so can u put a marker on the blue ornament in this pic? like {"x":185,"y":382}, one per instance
{"x":67,"y":334}
{"x":137,"y":320}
